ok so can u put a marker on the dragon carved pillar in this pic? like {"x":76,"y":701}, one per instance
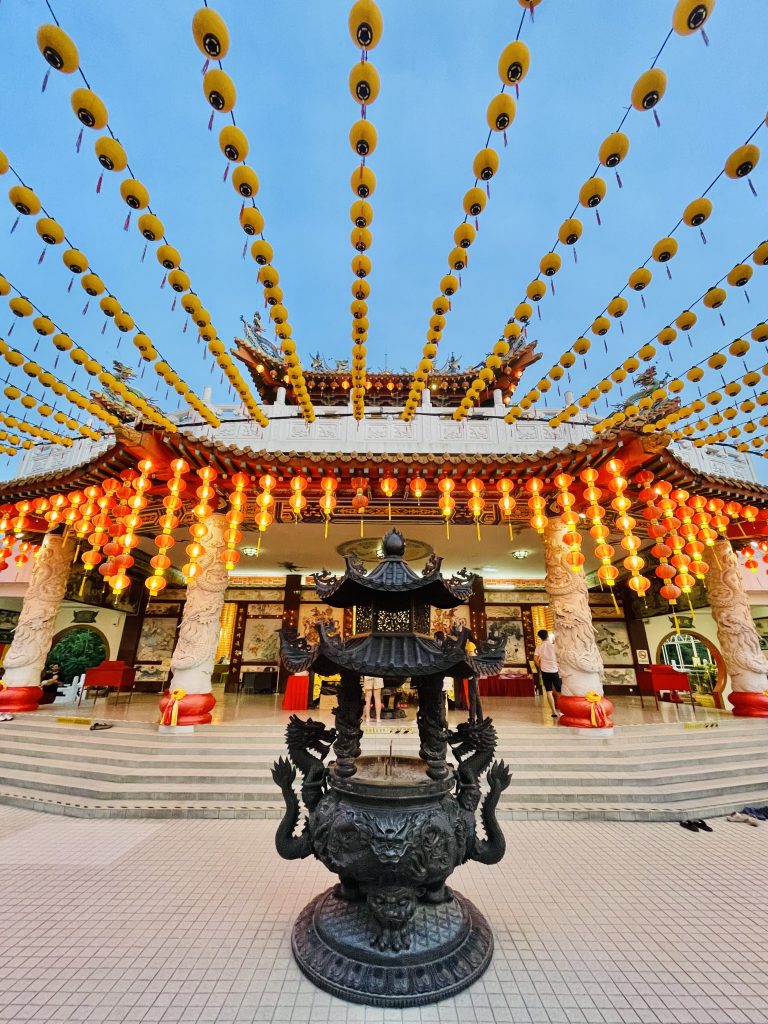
{"x":578,"y":658}
{"x":20,"y":687}
{"x":736,"y":633}
{"x":190,"y":700}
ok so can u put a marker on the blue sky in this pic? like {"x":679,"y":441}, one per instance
{"x":438,"y":67}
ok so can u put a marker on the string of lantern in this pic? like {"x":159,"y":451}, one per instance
{"x":748,"y":426}
{"x":513,"y":65}
{"x":61,"y":53}
{"x":638,"y":280}
{"x":27,"y":203}
{"x":713,"y":298}
{"x":727,"y":413}
{"x":647,"y":92}
{"x":366,"y":27}
{"x":45,"y":327}
{"x":738,"y":348}
{"x":212,"y":38}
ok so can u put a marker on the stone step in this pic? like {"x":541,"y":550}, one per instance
{"x":616,"y":811}
{"x":526,"y":774}
{"x":567,"y":763}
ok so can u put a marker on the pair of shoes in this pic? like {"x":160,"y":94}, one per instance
{"x":97,"y":726}
{"x":697,"y":825}
{"x":6,"y":717}
{"x":747,"y":819}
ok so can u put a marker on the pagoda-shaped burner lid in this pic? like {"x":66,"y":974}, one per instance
{"x":393,"y":584}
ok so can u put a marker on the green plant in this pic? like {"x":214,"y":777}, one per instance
{"x":76,"y":651}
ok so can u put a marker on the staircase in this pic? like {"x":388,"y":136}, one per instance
{"x":644,"y":773}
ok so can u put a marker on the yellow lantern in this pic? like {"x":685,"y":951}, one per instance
{"x":110,"y":154}
{"x":24,"y":200}
{"x":89,"y":109}
{"x":58,"y":49}
{"x":689,"y":15}
{"x":686,"y":320}
{"x":570,"y":231}
{"x":640,"y":279}
{"x":501,"y":112}
{"x":134,"y":194}
{"x":550,"y":263}
{"x":613,"y":149}
{"x":366,"y":24}
{"x":233,"y":143}
{"x":514,"y":63}
{"x":210,"y":33}
{"x":486,"y":164}
{"x":474,"y":202}
{"x":742,"y":161}
{"x":364,"y":83}
{"x":592,"y":192}
{"x":664,"y":250}
{"x":251,"y":220}
{"x":75,"y":260}
{"x":697,"y":212}
{"x":363,"y":138}
{"x":363,"y":182}
{"x":739,"y":275}
{"x":245,"y":181}
{"x":219,"y":90}
{"x":649,"y":89}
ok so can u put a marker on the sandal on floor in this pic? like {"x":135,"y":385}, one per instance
{"x":690,"y":825}
{"x":747,"y":819}
{"x":6,"y":717}
{"x":703,"y":825}
{"x":97,"y":726}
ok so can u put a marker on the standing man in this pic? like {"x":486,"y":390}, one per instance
{"x":546,"y":662}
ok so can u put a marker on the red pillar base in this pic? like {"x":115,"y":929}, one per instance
{"x":749,"y":705}
{"x":16,"y":699}
{"x":194,"y":708}
{"x":577,"y":712}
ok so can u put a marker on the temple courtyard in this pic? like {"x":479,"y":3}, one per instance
{"x":615,"y":922}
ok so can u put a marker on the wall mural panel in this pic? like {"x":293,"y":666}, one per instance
{"x":156,"y":640}
{"x":310,"y":615}
{"x":620,"y":677}
{"x":507,"y":623}
{"x":444,"y":619}
{"x":260,"y":641}
{"x":613,"y":643}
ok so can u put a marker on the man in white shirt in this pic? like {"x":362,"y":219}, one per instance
{"x":545,"y":657}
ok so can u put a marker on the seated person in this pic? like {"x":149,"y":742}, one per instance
{"x":50,"y":683}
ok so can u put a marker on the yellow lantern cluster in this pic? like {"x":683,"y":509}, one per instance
{"x":570,"y":520}
{"x":514,"y":64}
{"x":212,"y":37}
{"x":446,"y":503}
{"x":621,"y":504}
{"x":366,"y":27}
{"x":92,"y":113}
{"x":328,"y":486}
{"x":506,"y":502}
{"x":737,"y":277}
{"x":131,"y":522}
{"x":537,"y":504}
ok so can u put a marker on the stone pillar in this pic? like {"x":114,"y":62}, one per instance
{"x":192,"y":661}
{"x":736,"y":633}
{"x":578,"y":658}
{"x":20,"y":687}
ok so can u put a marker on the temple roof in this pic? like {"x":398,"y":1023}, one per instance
{"x":329,"y":384}
{"x":392,"y":584}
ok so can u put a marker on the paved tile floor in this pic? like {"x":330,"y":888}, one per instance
{"x":187,"y":921}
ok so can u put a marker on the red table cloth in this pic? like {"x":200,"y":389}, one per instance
{"x":296,"y":692}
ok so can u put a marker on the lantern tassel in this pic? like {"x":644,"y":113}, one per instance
{"x":477,"y":524}
{"x":13,"y":226}
{"x":621,"y":326}
{"x":752,"y":188}
{"x":746,"y":295}
{"x":41,"y":257}
{"x":104,"y":327}
{"x":505,"y":135}
{"x":258,"y":545}
{"x":642,"y":299}
{"x":703,"y":236}
{"x":722,"y":321}
{"x":669,"y":272}
{"x":205,"y":67}
{"x":552,"y":285}
{"x":85,"y":307}
{"x":98,"y":183}
{"x":613,"y":598}
{"x":656,"y":118}
{"x":127,"y":221}
{"x":210,"y":121}
{"x":447,"y":529}
{"x":690,"y":340}
{"x":362,"y":531}
{"x":618,"y":179}
{"x":79,"y":141}
{"x":575,"y":255}
{"x":184,"y":328}
{"x":245,"y":249}
{"x":326,"y":526}
{"x":173,"y":304}
{"x":162,"y":283}
{"x":705,"y":37}
{"x":144,"y":253}
{"x":226,"y":173}
{"x":56,"y":360}
{"x":45,"y":80}
{"x":597,"y":214}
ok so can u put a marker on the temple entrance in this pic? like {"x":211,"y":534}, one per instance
{"x":692,"y":653}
